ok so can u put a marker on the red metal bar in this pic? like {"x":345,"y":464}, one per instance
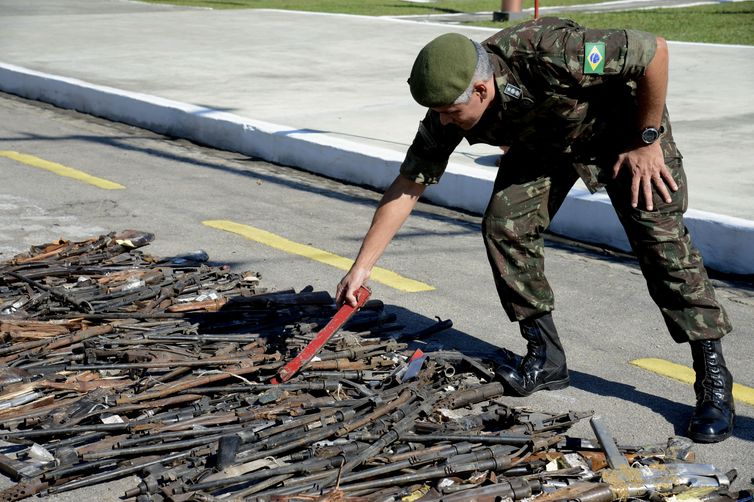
{"x":343,"y":314}
{"x":536,"y":9}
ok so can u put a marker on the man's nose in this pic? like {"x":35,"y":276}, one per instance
{"x":445,"y":119}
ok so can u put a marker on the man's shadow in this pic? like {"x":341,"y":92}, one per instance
{"x":412,"y":325}
{"x":676,"y":413}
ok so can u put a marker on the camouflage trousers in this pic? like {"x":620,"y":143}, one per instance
{"x":526,"y":196}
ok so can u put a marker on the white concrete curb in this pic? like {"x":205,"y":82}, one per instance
{"x":726,"y":243}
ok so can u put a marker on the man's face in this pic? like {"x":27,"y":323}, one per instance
{"x":465,"y":115}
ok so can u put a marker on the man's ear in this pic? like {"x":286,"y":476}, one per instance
{"x":482,"y":89}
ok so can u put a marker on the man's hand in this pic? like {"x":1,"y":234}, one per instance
{"x":394,"y":207}
{"x":647,"y":167}
{"x":349,"y":284}
{"x":646,"y":163}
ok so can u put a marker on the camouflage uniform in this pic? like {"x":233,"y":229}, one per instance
{"x":562,"y":123}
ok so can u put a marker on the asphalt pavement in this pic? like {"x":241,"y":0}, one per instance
{"x":328,"y":93}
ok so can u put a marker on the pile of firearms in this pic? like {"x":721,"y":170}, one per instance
{"x":116,"y":363}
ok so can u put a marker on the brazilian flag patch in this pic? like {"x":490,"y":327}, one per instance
{"x":594,"y":58}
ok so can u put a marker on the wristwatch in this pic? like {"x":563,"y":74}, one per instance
{"x":651,"y":134}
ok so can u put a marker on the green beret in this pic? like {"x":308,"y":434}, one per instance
{"x":443,"y":70}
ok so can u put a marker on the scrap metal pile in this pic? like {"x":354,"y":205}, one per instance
{"x":116,"y":363}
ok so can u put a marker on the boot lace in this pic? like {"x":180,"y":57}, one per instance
{"x":713,"y":385}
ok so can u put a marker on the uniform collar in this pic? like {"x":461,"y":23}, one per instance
{"x":508,"y":85}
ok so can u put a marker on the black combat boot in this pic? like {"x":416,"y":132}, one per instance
{"x":543,"y":366}
{"x":715,"y":412}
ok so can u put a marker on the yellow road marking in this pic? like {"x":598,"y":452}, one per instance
{"x":61,"y":170}
{"x":380,"y":275}
{"x":686,"y":375}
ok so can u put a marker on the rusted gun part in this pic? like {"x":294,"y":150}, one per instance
{"x":153,"y":436}
{"x":476,"y":395}
{"x":201,"y":363}
{"x":132,"y":239}
{"x":41,"y":433}
{"x":615,"y":458}
{"x":430,"y":473}
{"x":363,"y":351}
{"x":82,"y":306}
{"x":264,"y":485}
{"x":316,"y":435}
{"x":149,"y":405}
{"x":417,"y":459}
{"x":495,"y":415}
{"x":23,"y":490}
{"x":448,"y":456}
{"x":339,"y":376}
{"x":43,"y":252}
{"x":29,"y":417}
{"x":493,"y":439}
{"x":12,"y":468}
{"x":34,"y":486}
{"x":345,"y":312}
{"x":151,"y":449}
{"x":117,"y":473}
{"x":294,"y":423}
{"x":193,"y":382}
{"x":67,"y":472}
{"x":474,"y":362}
{"x":63,"y":249}
{"x":54,"y":343}
{"x":506,"y":488}
{"x":386,"y":439}
{"x":14,"y":329}
{"x":580,"y":492}
{"x":537,"y":424}
{"x":431,"y":450}
{"x":199,"y":419}
{"x":399,"y":402}
{"x":322,"y":384}
{"x":344,"y":364}
{"x":208,"y":305}
{"x":310,"y":467}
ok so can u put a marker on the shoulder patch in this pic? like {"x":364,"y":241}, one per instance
{"x":594,"y":58}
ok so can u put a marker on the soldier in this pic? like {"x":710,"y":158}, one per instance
{"x":566,"y":102}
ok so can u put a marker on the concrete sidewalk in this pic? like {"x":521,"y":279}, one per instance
{"x":328,"y":93}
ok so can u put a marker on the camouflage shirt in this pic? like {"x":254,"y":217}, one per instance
{"x":550,"y":102}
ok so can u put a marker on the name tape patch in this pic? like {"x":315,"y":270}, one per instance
{"x":512,"y":91}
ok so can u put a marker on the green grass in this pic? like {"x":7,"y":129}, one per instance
{"x":725,"y":23}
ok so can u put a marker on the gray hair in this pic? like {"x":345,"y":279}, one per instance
{"x":483,"y":72}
